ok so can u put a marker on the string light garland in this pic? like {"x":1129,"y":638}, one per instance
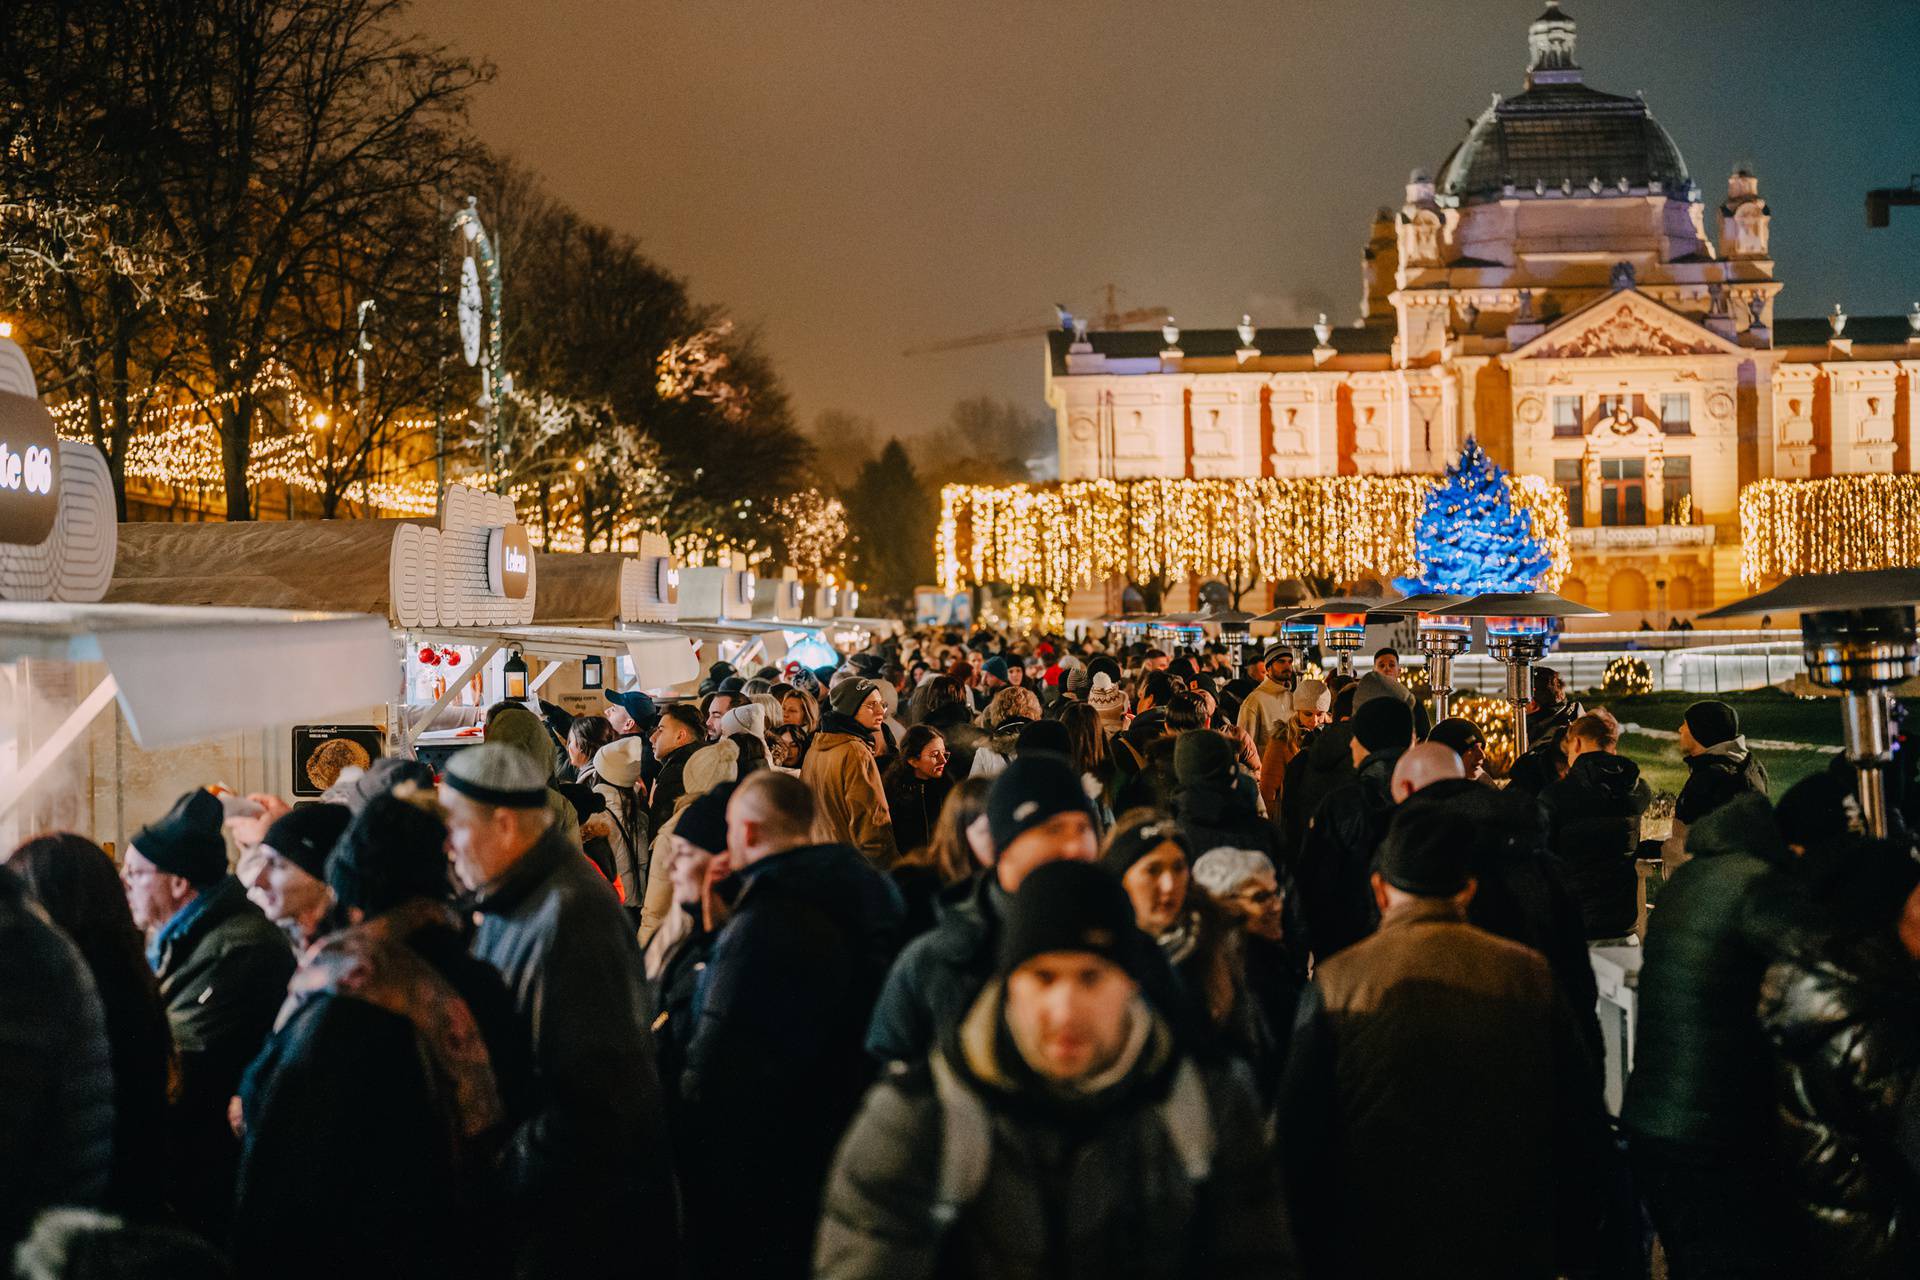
{"x":1494,"y":719}
{"x":1051,"y":539}
{"x":1828,"y":525}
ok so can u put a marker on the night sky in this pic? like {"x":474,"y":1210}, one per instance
{"x":859,"y":177}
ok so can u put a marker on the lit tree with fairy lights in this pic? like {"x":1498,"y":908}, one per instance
{"x":1471,"y":538}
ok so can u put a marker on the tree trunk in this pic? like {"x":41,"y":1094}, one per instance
{"x":236,"y":431}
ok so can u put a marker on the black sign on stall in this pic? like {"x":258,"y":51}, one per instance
{"x":29,"y":471}
{"x":321,"y":751}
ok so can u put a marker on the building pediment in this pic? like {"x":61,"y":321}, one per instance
{"x":1625,"y":323}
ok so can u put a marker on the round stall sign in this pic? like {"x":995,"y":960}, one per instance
{"x":29,"y":471}
{"x":509,"y":561}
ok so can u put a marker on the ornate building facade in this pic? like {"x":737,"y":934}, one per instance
{"x":1556,"y":292}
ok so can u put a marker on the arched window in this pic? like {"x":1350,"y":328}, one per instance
{"x":1575,"y":589}
{"x":1680,"y":594}
{"x":1627,"y":592}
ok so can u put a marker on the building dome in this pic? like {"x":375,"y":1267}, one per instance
{"x":1560,"y":136}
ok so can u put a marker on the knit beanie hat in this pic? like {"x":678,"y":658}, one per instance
{"x":1032,"y":789}
{"x":1070,"y":906}
{"x":710,"y":766}
{"x":1223,"y":872}
{"x":995,"y":666}
{"x":1712,"y":723}
{"x":703,"y":824}
{"x":620,"y":761}
{"x":1425,"y":852}
{"x":749,"y":718}
{"x":1043,"y":735}
{"x":1384,"y":724}
{"x":849,"y":695}
{"x":1203,"y":756}
{"x":393,"y":850}
{"x":1374,"y":685}
{"x":1312,"y":695}
{"x":498,"y":775}
{"x":1129,"y":844}
{"x":306,"y":835}
{"x":1106,"y":697}
{"x":1457,"y":733}
{"x":187,"y":842}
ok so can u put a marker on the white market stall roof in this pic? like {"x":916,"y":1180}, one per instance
{"x":661,"y":656}
{"x":771,"y":634}
{"x":183,"y":674}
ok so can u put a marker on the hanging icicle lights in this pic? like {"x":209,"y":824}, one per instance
{"x":1829,"y":525}
{"x":1054,"y":538}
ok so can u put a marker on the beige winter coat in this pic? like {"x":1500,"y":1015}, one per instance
{"x":851,"y":803}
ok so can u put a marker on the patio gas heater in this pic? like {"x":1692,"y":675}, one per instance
{"x":1439,"y":635}
{"x":1341,"y":624}
{"x":1857,"y":632}
{"x":1519,"y":631}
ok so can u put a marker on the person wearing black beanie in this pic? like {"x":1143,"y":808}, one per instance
{"x":288,"y":878}
{"x":1037,"y":813}
{"x":1719,"y":768}
{"x":1432,"y":1040}
{"x":222,"y":968}
{"x":396,"y":1071}
{"x":1060,"y":1050}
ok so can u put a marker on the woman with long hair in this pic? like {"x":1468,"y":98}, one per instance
{"x":950,"y":858}
{"x":77,"y":884}
{"x":916,"y":785}
{"x":1088,"y":752}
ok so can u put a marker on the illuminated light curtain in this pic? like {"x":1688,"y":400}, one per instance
{"x":1829,"y":525}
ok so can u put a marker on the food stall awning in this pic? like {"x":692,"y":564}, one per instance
{"x":661,"y":656}
{"x":184,"y":673}
{"x":747,"y":641}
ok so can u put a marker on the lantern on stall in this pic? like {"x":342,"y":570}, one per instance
{"x":591,"y":676}
{"x":514,"y":670}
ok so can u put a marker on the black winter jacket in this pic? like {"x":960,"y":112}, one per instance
{"x":223,"y":980}
{"x":589,"y":1168}
{"x":1714,"y":777}
{"x":1324,"y":763}
{"x":1214,"y":817}
{"x":1336,"y":861}
{"x":775,"y":1068}
{"x":915,"y":806}
{"x":1701,"y":1073}
{"x":1593,"y":814}
{"x":939,"y":973}
{"x":1844,"y":1015}
{"x":669,"y":785}
{"x":56,"y":1079}
{"x":346,"y":1126}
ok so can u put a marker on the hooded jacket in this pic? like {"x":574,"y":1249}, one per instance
{"x":1714,"y":777}
{"x":529,"y":735}
{"x":1593,"y":817}
{"x":1094,"y":1184}
{"x":775,"y":1067}
{"x":1701,"y":1074}
{"x":841,"y":772}
{"x":1323,"y":763}
{"x":1266,"y":711}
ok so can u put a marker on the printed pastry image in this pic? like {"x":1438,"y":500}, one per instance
{"x":333,"y":755}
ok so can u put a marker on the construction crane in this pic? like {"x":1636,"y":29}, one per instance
{"x":1111,"y":318}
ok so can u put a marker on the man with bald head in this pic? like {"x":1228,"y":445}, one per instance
{"x":776,"y":1066}
{"x":1423,"y":765}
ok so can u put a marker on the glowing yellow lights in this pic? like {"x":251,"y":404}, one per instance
{"x":1829,"y":525}
{"x":319,"y":421}
{"x":6,"y":328}
{"x":579,"y":464}
{"x":1051,"y":539}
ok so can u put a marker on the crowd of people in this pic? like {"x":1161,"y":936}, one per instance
{"x":969,"y":958}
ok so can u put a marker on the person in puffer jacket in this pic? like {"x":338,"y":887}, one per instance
{"x":1593,"y":815}
{"x":1842,"y":1008}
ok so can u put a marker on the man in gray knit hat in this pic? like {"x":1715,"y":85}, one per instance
{"x":589,"y":1169}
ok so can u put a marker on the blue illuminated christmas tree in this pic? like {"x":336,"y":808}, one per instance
{"x":1471,"y":538}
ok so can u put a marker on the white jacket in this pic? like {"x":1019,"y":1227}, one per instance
{"x":1266,"y":712}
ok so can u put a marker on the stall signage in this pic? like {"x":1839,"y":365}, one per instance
{"x":509,"y":557}
{"x":29,"y":471}
{"x":322,"y":751}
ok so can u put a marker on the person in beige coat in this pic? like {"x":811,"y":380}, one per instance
{"x":840,"y":770}
{"x":706,"y":769}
